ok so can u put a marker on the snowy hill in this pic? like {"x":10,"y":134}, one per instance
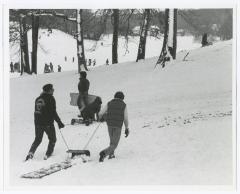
{"x":180,"y":123}
{"x":53,"y":47}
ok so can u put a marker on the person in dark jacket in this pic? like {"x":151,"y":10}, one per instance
{"x":115,"y":113}
{"x":92,"y":109}
{"x":83,"y":87}
{"x":44,"y":116}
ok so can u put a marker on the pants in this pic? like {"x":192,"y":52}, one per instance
{"x":39,"y":131}
{"x":82,"y":101}
{"x":114,"y":135}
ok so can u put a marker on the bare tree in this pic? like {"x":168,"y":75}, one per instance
{"x":24,"y":45}
{"x":115,"y":36}
{"x":143,"y":35}
{"x":80,"y":44}
{"x":35,"y":29}
{"x":169,"y":47}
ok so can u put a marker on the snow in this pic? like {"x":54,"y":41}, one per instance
{"x":53,"y":47}
{"x":180,"y":122}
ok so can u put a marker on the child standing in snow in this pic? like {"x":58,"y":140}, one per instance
{"x":115,"y":113}
{"x":44,"y":115}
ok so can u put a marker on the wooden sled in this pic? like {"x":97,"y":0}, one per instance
{"x":37,"y":174}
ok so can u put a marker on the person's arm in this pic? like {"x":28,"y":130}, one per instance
{"x":103,"y":111}
{"x":56,"y":117}
{"x":88,"y":85}
{"x":79,"y":87}
{"x":126,"y":123}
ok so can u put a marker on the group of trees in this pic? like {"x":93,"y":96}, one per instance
{"x":83,"y":23}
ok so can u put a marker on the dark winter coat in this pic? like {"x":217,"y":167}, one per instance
{"x":115,"y":113}
{"x":45,"y":110}
{"x":83,"y":86}
{"x":91,"y":109}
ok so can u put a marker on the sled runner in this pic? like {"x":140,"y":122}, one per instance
{"x":74,"y":98}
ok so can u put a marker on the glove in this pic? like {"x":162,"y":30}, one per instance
{"x":102,"y":119}
{"x":60,"y":125}
{"x":126,"y":132}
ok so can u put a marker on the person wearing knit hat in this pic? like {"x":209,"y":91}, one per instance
{"x":44,"y":116}
{"x":47,"y":87}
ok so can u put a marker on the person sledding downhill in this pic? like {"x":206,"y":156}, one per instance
{"x":44,"y":115}
{"x":83,"y":87}
{"x":115,"y":113}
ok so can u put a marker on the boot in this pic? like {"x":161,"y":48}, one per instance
{"x":87,"y":122}
{"x":29,"y":156}
{"x":46,"y":157}
{"x":102,"y":156}
{"x":111,"y":156}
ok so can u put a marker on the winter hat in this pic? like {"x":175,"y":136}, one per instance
{"x":83,"y":74}
{"x":119,"y":95}
{"x":47,"y":87}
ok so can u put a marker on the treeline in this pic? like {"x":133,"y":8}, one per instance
{"x":217,"y":22}
{"x":91,"y":24}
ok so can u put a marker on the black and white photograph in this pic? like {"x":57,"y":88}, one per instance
{"x":120,"y":97}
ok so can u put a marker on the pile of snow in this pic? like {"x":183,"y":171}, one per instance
{"x":180,"y":123}
{"x":53,"y":47}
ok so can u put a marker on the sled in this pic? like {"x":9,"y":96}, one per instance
{"x":74,"y":98}
{"x":37,"y":174}
{"x":78,"y":152}
{"x":81,"y":121}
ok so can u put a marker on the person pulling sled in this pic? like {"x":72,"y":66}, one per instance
{"x":115,"y":114}
{"x":44,"y":116}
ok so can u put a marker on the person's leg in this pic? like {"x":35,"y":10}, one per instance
{"x":82,"y":102}
{"x":85,"y":100}
{"x":115,"y":140}
{"x":79,"y":101}
{"x":39,"y":130}
{"x":51,"y":133}
{"x":114,"y":134}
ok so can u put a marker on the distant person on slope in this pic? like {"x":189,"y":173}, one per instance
{"x":107,"y":62}
{"x":11,"y":67}
{"x":51,"y":67}
{"x":59,"y":68}
{"x":44,"y":115}
{"x":115,"y":113}
{"x":83,"y":87}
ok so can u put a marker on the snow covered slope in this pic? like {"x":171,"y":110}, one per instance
{"x":53,"y":47}
{"x":180,"y":123}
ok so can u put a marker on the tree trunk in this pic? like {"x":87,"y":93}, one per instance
{"x":22,"y":61}
{"x":115,"y":36}
{"x":24,"y":45}
{"x":170,"y":37}
{"x":172,"y":34}
{"x":143,"y":35}
{"x":175,"y":34}
{"x":80,"y":44}
{"x":35,"y":28}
